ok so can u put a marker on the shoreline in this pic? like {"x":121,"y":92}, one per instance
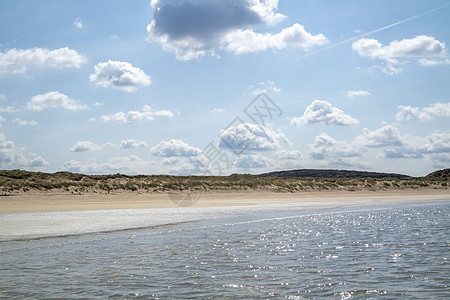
{"x":57,"y":201}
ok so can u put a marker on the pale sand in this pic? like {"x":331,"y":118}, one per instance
{"x":56,"y":202}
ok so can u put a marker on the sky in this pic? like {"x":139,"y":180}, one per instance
{"x":201,"y":87}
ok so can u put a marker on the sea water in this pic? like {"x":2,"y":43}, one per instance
{"x":230,"y":253}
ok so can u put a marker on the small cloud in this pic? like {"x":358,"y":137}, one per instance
{"x":9,"y":109}
{"x":252,"y":137}
{"x":17,"y":61}
{"x":78,"y":23}
{"x":54,"y":100}
{"x":247,"y":41}
{"x":175,"y":148}
{"x":441,"y":161}
{"x":400,"y":153}
{"x":170,"y":161}
{"x":320,"y":111}
{"x":218,"y":110}
{"x":325,"y":147}
{"x":426,"y":50}
{"x":383,"y":137}
{"x":82,"y":146}
{"x":408,"y":113}
{"x":114,"y":37}
{"x":37,"y":162}
{"x":20,"y":122}
{"x":437,"y":142}
{"x":265,"y":87}
{"x":147,"y":114}
{"x":119,"y":75}
{"x":289,"y":155}
{"x":132,"y":144}
{"x":353,"y":94}
{"x":433,"y":62}
{"x":439,"y":109}
{"x":12,"y":157}
{"x":98,"y":104}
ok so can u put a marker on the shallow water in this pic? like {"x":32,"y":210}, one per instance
{"x":364,"y":253}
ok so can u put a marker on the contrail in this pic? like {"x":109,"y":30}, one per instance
{"x":371,"y":32}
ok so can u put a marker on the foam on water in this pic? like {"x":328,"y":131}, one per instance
{"x":35,"y":225}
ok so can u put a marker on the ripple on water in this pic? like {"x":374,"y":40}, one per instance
{"x":348,"y":253}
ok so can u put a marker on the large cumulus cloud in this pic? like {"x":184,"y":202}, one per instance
{"x":194,"y":28}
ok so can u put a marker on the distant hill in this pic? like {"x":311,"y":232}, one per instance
{"x":318,"y":173}
{"x":439,"y":175}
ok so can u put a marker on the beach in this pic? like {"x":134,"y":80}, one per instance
{"x":57,"y":201}
{"x":293,"y":246}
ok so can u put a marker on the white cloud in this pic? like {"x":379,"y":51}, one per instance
{"x":246,"y":41}
{"x":170,"y":161}
{"x":322,"y":111}
{"x":53,"y":100}
{"x":407,"y":113}
{"x":78,"y":23}
{"x":195,"y":28}
{"x":325,"y":146}
{"x":132,"y":144}
{"x":252,"y":137}
{"x":425,"y":49}
{"x":441,"y":161}
{"x":119,"y":75}
{"x":433,"y":62}
{"x":437,"y":142}
{"x":353,"y":94}
{"x":265,"y":87}
{"x":82,"y":146}
{"x":134,"y":116}
{"x":218,"y":110}
{"x":174,"y":148}
{"x":400,"y":153}
{"x":253,"y":161}
{"x":9,"y":109}
{"x":383,"y":137}
{"x":438,"y":109}
{"x":12,"y":157}
{"x":21,"y":122}
{"x":17,"y":61}
{"x":288,"y":155}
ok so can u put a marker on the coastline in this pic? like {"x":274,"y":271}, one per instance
{"x":58,"y":201}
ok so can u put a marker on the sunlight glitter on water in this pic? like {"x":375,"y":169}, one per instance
{"x":341,"y":254}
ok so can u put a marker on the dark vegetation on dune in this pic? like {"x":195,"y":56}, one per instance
{"x":18,"y":181}
{"x":313,"y":173}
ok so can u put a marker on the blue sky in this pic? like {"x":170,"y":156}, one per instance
{"x":175,"y":87}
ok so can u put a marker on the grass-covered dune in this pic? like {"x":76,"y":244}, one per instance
{"x":18,"y":181}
